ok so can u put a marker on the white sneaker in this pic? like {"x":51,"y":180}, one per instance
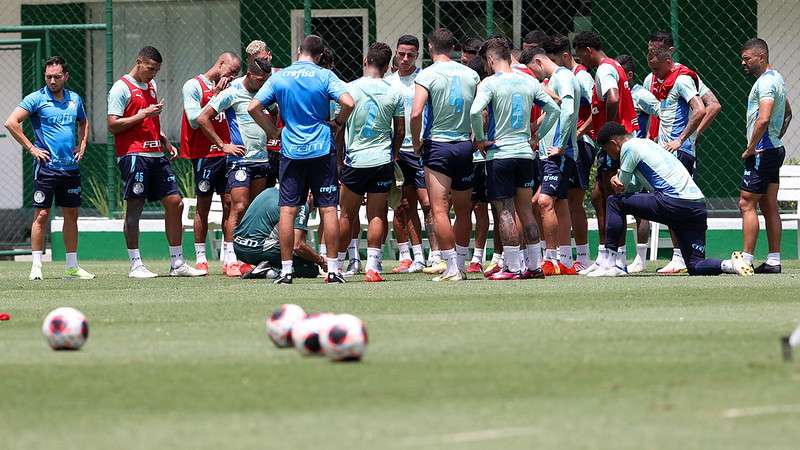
{"x":636,"y":266}
{"x":416,"y":267}
{"x":78,"y":273}
{"x":141,"y":272}
{"x":594,"y":267}
{"x":36,"y":273}
{"x":614,"y":271}
{"x":353,"y":268}
{"x":673,"y":267}
{"x":185,"y":270}
{"x":742,"y":267}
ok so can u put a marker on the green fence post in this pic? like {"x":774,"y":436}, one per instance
{"x":110,"y":185}
{"x":48,"y":46}
{"x":675,"y":27}
{"x":489,"y":18}
{"x":307,"y":17}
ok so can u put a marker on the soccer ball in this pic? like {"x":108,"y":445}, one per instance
{"x":65,"y":329}
{"x":305,"y":333}
{"x":344,"y":338}
{"x":279,"y":324}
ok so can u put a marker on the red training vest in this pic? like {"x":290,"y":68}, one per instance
{"x":145,"y":137}
{"x":661,"y":90}
{"x":194,"y":143}
{"x":626,"y":115}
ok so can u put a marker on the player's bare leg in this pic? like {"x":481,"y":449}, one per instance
{"x":376,"y":232}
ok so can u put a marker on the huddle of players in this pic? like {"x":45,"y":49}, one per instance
{"x":460,"y":142}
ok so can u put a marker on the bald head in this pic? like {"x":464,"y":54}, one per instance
{"x":227,"y":65}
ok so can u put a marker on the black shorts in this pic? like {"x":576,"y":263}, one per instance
{"x":453,"y":159}
{"x":411,"y":165}
{"x":762,"y":169}
{"x":504,"y":176}
{"x":298,"y":176}
{"x":606,"y":163}
{"x":368,"y":180}
{"x":147,"y":177}
{"x":64,"y":185}
{"x":558,"y":176}
{"x":273,"y":168}
{"x":583,"y":164}
{"x":210,"y":176}
{"x":241,"y":174}
{"x":479,"y":194}
{"x":687,"y":160}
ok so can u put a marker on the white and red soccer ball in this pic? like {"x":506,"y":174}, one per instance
{"x":343,"y":338}
{"x":65,"y":329}
{"x":305,"y":333}
{"x":280,"y":322}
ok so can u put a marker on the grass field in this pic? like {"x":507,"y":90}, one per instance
{"x":643,"y":362}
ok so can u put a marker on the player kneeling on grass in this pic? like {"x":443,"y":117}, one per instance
{"x":509,"y":96}
{"x":256,"y":240}
{"x":367,"y":165}
{"x":56,"y":114}
{"x":672,"y":199}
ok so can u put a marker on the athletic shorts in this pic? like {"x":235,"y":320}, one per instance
{"x":413,"y":172}
{"x":210,"y":176}
{"x":273,"y":169}
{"x":762,"y":169}
{"x":368,"y":180}
{"x":453,"y":159}
{"x":241,"y":174}
{"x":64,"y":185}
{"x":298,"y":176}
{"x":687,"y":160}
{"x":479,"y":194}
{"x":584,"y":163}
{"x":606,"y":163}
{"x":147,"y":177}
{"x":558,"y":176}
{"x":504,"y":176}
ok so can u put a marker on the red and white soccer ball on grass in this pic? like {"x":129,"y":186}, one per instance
{"x":65,"y":329}
{"x":340,"y":337}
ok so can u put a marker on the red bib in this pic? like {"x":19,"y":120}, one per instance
{"x":661,"y":90}
{"x":146,"y":136}
{"x":194,"y":143}
{"x":626,"y":115}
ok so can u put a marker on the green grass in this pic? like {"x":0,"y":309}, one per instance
{"x":638,"y":363}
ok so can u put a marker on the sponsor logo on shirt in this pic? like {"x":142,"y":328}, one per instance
{"x":151,"y":144}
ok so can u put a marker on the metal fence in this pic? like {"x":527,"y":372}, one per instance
{"x":191,"y":33}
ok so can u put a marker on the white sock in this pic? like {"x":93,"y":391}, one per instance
{"x":37,"y":257}
{"x":287,"y":267}
{"x":323,"y":249}
{"x":641,"y":253}
{"x":524,"y":252}
{"x":727,"y":266}
{"x":601,"y":253}
{"x":477,"y":255}
{"x":451,"y":258}
{"x":534,"y":253}
{"x":513,"y":258}
{"x":748,"y":258}
{"x":582,"y":254}
{"x":405,"y":252}
{"x":551,"y":255}
{"x":175,"y":256}
{"x":72,"y":260}
{"x":677,"y":256}
{"x":334,"y":265}
{"x":135,"y":258}
{"x":622,"y":259}
{"x":610,"y":258}
{"x":435,"y":257}
{"x":773,"y":259}
{"x":497,"y":258}
{"x":374,"y":258}
{"x":565,"y":255}
{"x":228,"y":255}
{"x":352,"y":250}
{"x":341,"y":256}
{"x":461,"y":256}
{"x":200,"y":252}
{"x":419,"y":255}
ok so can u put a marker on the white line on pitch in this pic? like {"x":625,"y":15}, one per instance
{"x":735,"y":413}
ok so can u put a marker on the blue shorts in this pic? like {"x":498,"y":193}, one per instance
{"x":504,"y":176}
{"x":298,"y":176}
{"x":273,"y":169}
{"x":558,"y":176}
{"x":606,"y":163}
{"x":453,"y":159}
{"x":411,"y":165}
{"x":241,"y":174}
{"x":64,"y":185}
{"x":688,"y":161}
{"x":584,"y":162}
{"x":210,"y":176}
{"x":479,"y":194}
{"x":762,"y":169}
{"x":368,"y":180}
{"x":147,"y":177}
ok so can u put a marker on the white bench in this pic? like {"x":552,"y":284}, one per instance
{"x":214,"y":220}
{"x":789,"y":191}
